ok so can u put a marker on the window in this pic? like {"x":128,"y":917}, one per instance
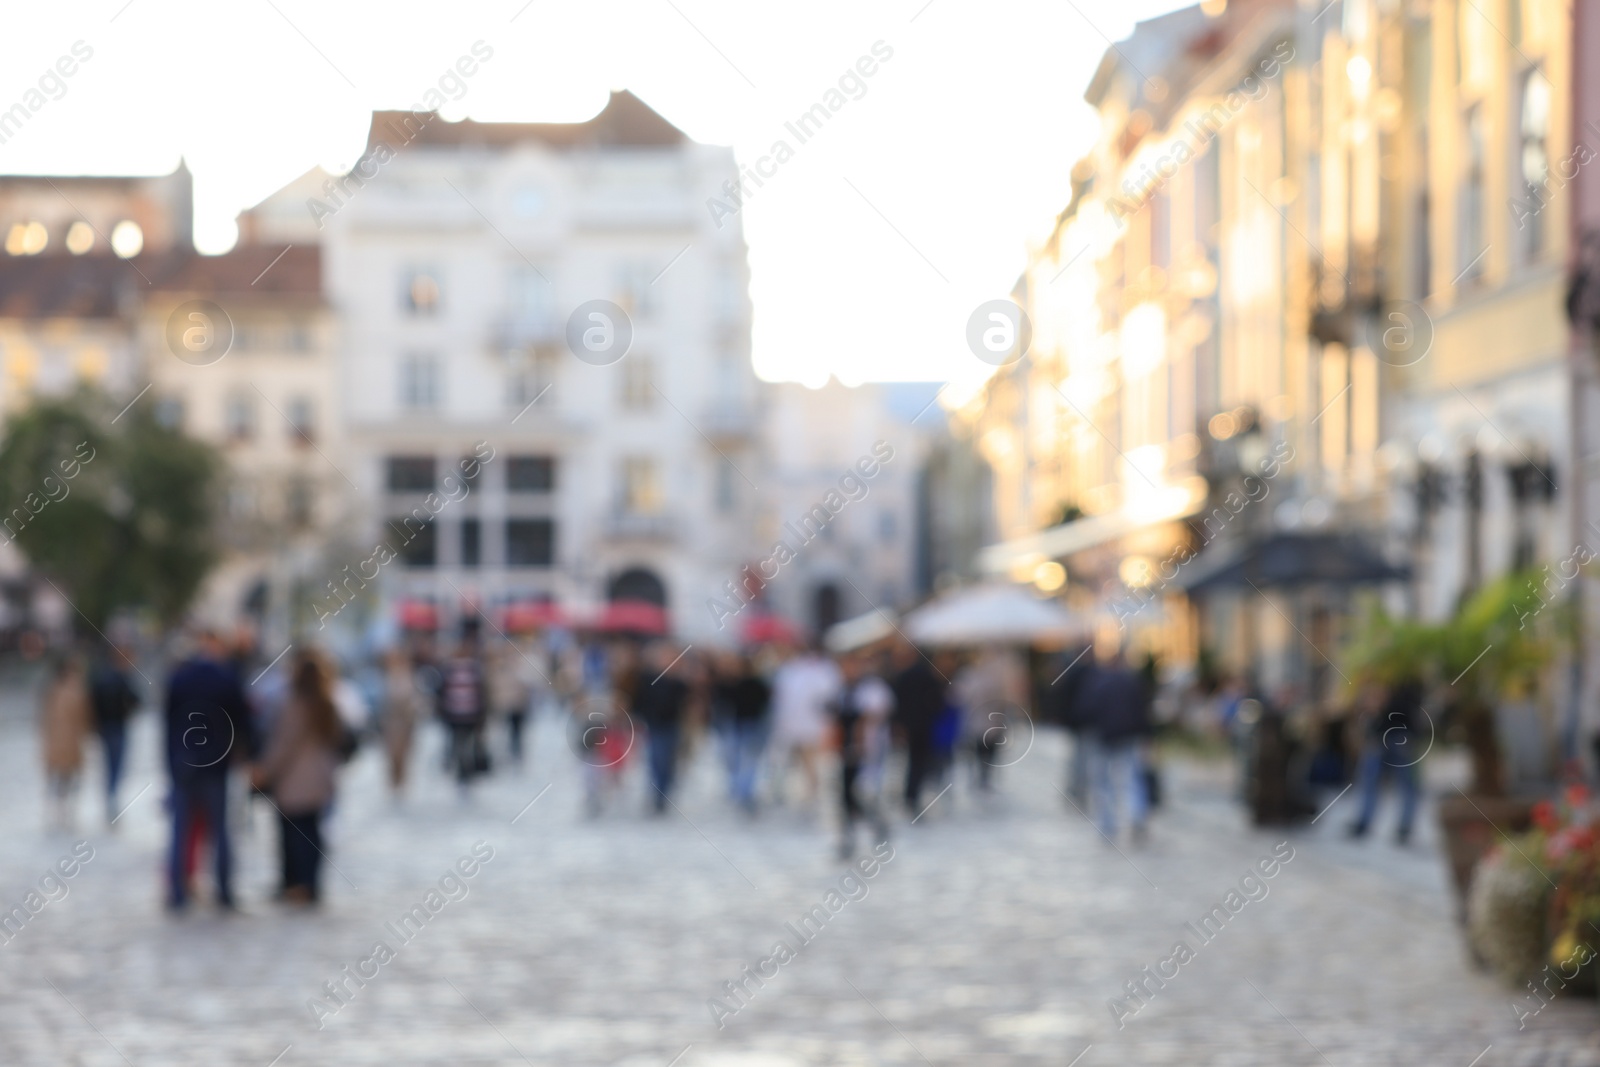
{"x":169,"y":412}
{"x":1471,"y":249}
{"x":531,"y":474}
{"x":299,"y":503}
{"x":239,"y":418}
{"x":471,"y":542}
{"x":241,"y":502}
{"x":634,"y":291}
{"x":727,"y":293}
{"x":887,"y":527}
{"x":80,"y":238}
{"x":527,"y":201}
{"x":299,"y":337}
{"x":411,"y":474}
{"x":532,"y":378}
{"x":641,"y":486}
{"x":302,"y":419}
{"x":420,"y":292}
{"x":419,"y":382}
{"x":414,"y":540}
{"x":530,"y":542}
{"x":727,"y":492}
{"x":638,"y":383}
{"x":533,"y":299}
{"x":1533,"y":164}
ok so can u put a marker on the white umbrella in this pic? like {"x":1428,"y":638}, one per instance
{"x":859,"y":632}
{"x":992,"y":614}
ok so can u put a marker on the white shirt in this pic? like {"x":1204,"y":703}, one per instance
{"x":801,"y":690}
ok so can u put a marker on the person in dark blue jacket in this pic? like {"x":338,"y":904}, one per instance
{"x":208,"y":729}
{"x":1116,"y":701}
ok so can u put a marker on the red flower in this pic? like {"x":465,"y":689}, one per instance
{"x":1544,"y":816}
{"x":1577,"y":795}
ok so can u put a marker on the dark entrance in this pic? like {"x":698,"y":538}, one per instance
{"x":638,"y":583}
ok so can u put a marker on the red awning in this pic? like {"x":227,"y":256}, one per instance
{"x":524,"y":615}
{"x":633,"y":616}
{"x":418,"y":615}
{"x":768,"y":630}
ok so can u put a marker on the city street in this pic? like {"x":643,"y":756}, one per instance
{"x":997,"y":934}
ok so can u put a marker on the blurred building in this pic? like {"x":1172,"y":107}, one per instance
{"x":1307,"y":292}
{"x":1472,"y":146}
{"x":455,"y":255}
{"x":858,"y":454}
{"x":42,"y":214}
{"x":1168,"y":361}
{"x":268,"y":403}
{"x":95,"y":271}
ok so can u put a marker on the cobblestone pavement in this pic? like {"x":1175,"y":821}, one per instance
{"x":997,"y":934}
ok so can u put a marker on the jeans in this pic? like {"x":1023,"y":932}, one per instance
{"x":1377,"y":761}
{"x":919,"y":765}
{"x":514,"y":722}
{"x":466,"y":744}
{"x":1078,"y":768}
{"x":743,"y":742}
{"x":206,"y":795}
{"x":1115,"y":767}
{"x":114,"y":740}
{"x":663,"y":754}
{"x":301,"y":838}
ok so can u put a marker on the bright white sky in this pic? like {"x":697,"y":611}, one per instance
{"x":964,"y":140}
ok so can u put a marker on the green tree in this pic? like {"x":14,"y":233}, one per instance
{"x":116,"y":514}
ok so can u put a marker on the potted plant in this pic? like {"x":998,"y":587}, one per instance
{"x":1534,"y":904}
{"x":1496,"y":649}
{"x":1491,"y":655}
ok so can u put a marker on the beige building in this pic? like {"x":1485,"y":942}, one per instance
{"x":239,"y":350}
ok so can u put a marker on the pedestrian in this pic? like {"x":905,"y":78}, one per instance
{"x":659,"y":705}
{"x":113,"y":698}
{"x":403,"y":698}
{"x":64,"y":719}
{"x":919,"y":698}
{"x":861,"y":710}
{"x":298,"y":773}
{"x":1065,"y":704}
{"x":744,"y":699}
{"x":991,"y":690}
{"x":509,"y":694}
{"x":463,"y":703}
{"x":208,"y":727}
{"x":1117,"y":702}
{"x":1393,"y":748}
{"x":801,"y":689}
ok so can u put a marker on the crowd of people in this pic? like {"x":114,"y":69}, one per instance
{"x":784,"y":721}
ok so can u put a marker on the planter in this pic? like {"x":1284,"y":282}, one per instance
{"x":1471,"y":826}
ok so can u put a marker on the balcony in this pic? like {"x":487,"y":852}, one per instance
{"x":632,"y":526}
{"x":730,"y":421}
{"x":518,"y":333}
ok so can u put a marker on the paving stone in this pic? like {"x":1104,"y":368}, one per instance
{"x":996,"y":935}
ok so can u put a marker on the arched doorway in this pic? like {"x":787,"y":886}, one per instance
{"x":824,"y":607}
{"x":639,"y":584}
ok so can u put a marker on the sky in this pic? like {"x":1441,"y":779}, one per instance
{"x":869,"y":249}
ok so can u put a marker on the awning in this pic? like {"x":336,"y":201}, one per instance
{"x":523,"y":615}
{"x":633,"y":617}
{"x":768,"y":630}
{"x":992,"y":614}
{"x":1149,"y":509}
{"x":1291,"y":559}
{"x":859,"y":632}
{"x":417,"y":615}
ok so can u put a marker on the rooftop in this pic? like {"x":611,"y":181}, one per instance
{"x":625,"y":122}
{"x":95,"y":286}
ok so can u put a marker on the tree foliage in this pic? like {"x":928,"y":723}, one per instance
{"x":116,"y":514}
